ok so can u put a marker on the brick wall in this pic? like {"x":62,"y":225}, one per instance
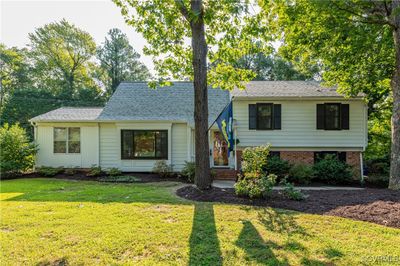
{"x":307,"y":157}
{"x":295,"y":157}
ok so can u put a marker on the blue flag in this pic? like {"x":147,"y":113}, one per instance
{"x":225,"y":124}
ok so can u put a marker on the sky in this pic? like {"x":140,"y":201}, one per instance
{"x":97,"y":17}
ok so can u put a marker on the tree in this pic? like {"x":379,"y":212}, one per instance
{"x":120,"y":60}
{"x":61,"y":55}
{"x":356,"y":42}
{"x":13,"y":72}
{"x":17,"y":153}
{"x":274,"y":67}
{"x":200,"y":41}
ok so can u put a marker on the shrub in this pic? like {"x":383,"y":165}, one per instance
{"x":290,"y":192}
{"x":277,"y":166}
{"x":113,"y":171}
{"x":17,"y":153}
{"x":94,"y":171}
{"x":189,"y":171}
{"x":301,"y":173}
{"x":70,"y":171}
{"x":254,"y":187}
{"x":332,"y":171}
{"x":377,"y":180}
{"x":255,"y":159}
{"x":163,"y":169}
{"x":49,"y":171}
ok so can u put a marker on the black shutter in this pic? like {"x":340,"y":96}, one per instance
{"x":320,"y":116}
{"x":252,"y":116}
{"x":345,"y":113}
{"x":277,"y":116}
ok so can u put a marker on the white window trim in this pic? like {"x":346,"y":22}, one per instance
{"x":67,"y":142}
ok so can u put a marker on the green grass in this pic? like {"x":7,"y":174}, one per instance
{"x":49,"y":221}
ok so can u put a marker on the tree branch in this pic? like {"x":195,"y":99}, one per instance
{"x":182,"y":8}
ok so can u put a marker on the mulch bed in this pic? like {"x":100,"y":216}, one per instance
{"x":81,"y":175}
{"x":380,"y":206}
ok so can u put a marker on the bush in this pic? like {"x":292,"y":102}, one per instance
{"x":377,"y":180}
{"x":254,"y":160}
{"x":70,"y":171}
{"x":49,"y":171}
{"x":113,"y":171}
{"x":301,"y":173}
{"x":254,"y":187}
{"x":290,"y":192}
{"x":17,"y":153}
{"x":277,"y":166}
{"x":332,"y":171}
{"x":163,"y":169}
{"x":189,"y":171}
{"x":94,"y":171}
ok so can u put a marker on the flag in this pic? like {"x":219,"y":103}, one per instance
{"x":225,"y":124}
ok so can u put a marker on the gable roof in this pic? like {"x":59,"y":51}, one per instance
{"x":70,"y":114}
{"x":136,"y":101}
{"x":285,"y":89}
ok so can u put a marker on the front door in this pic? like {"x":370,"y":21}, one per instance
{"x":220,"y":150}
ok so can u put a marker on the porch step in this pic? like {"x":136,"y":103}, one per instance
{"x":225,"y":174}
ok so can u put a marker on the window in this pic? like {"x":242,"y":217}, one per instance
{"x":321,"y":155}
{"x":264,"y":116}
{"x":67,"y":140}
{"x":144,"y":144}
{"x":332,"y":116}
{"x":274,"y":154}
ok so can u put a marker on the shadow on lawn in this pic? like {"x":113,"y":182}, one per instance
{"x":204,"y":243}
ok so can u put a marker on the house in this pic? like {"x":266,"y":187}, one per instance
{"x":138,"y":126}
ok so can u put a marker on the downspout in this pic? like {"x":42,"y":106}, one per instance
{"x":34,"y":141}
{"x":361,"y":168}
{"x":98,"y":140}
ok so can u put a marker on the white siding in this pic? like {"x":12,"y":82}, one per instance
{"x":110,"y":146}
{"x":179,"y":146}
{"x":89,"y":146}
{"x":299,"y":126}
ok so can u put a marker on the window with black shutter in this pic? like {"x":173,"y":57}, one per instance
{"x":333,"y":116}
{"x":144,"y":144}
{"x":321,"y":155}
{"x":265,"y":116}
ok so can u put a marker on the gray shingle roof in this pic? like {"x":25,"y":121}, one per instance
{"x":135,"y":101}
{"x":285,"y":89}
{"x":69,"y":114}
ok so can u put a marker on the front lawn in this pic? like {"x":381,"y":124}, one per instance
{"x":57,"y":222}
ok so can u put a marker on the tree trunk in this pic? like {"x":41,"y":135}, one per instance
{"x":394,"y":182}
{"x":199,"y":61}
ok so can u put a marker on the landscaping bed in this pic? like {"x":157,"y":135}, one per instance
{"x":380,"y":206}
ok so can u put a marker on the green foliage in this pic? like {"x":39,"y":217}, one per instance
{"x":253,"y":186}
{"x":50,"y":171}
{"x":272,"y":67}
{"x":255,"y":159}
{"x":119,"y":179}
{"x":121,"y":62}
{"x":94,"y":171}
{"x":332,"y":171}
{"x":301,"y":174}
{"x":71,"y":171}
{"x":163,"y":169}
{"x":232,"y":30}
{"x":379,"y":133}
{"x":61,"y":55}
{"x":17,"y":154}
{"x":189,"y":171}
{"x":113,"y":171}
{"x":377,"y":180}
{"x":290,"y":192}
{"x":277,"y":166}
{"x":14,"y":72}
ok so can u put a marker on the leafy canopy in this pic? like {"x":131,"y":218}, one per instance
{"x":232,"y":31}
{"x":121,"y":62}
{"x":356,"y":55}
